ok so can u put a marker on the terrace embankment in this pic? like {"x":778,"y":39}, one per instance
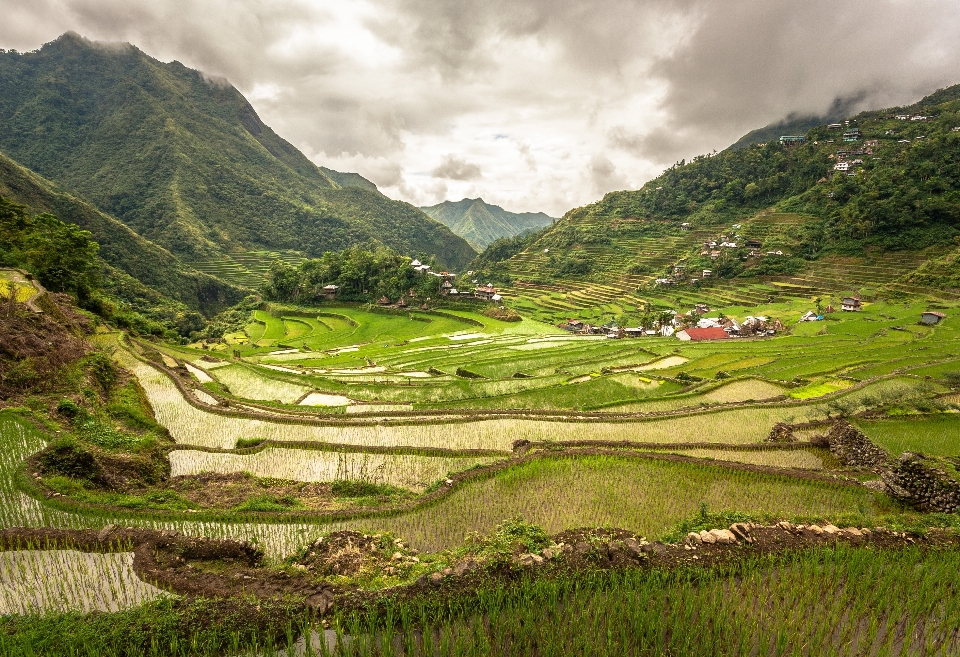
{"x":229,"y":570}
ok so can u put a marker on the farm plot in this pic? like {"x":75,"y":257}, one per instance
{"x":562,"y":493}
{"x":248,"y":383}
{"x":17,"y":509}
{"x":837,"y":601}
{"x":410,"y":471}
{"x":42,"y":581}
{"x":938,"y":435}
{"x":190,"y":425}
{"x":776,"y":458}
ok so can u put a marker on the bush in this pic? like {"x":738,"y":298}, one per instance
{"x":354,"y":488}
{"x":502,"y":313}
{"x":68,"y":409}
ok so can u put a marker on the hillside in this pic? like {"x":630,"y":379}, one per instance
{"x":186,"y":162}
{"x":854,"y":216}
{"x":481,"y":223}
{"x":120,"y":247}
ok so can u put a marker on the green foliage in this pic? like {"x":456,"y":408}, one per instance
{"x":360,"y":275}
{"x":186,"y":163}
{"x":62,"y":256}
{"x":168,"y":627}
{"x":360,"y":488}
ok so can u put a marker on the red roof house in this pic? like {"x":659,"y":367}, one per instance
{"x":697,"y":334}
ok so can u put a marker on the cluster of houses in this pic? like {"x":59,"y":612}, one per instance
{"x":908,"y":117}
{"x":689,"y":326}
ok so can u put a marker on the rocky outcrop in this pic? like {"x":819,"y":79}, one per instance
{"x":919,"y":481}
{"x":853,"y":448}
{"x":781,"y":433}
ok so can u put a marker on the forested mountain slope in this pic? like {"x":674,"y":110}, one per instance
{"x":185,"y":161}
{"x":481,"y":223}
{"x":120,"y":247}
{"x":892,"y":185}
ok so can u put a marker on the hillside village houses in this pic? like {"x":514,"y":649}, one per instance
{"x":851,"y":304}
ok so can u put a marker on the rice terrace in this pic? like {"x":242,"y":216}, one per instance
{"x":715,"y":415}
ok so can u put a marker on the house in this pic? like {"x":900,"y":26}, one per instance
{"x":495,"y":297}
{"x":754,"y":254}
{"x":903,"y":141}
{"x":841,"y":166}
{"x":851,"y":304}
{"x":685,"y":225}
{"x":445,"y":288}
{"x":714,"y":254}
{"x":834,"y":126}
{"x":931,"y":317}
{"x":698,"y":334}
{"x":633,"y":332}
{"x":903,"y":117}
{"x":486,"y":292}
{"x":775,"y":253}
{"x":706,"y":273}
{"x":955,"y":129}
{"x":754,"y":244}
{"x":383,"y":301}
{"x":415,"y":263}
{"x":329,"y":292}
{"x":402,"y":303}
{"x":792,"y":140}
{"x":871,"y":143}
{"x":919,"y":117}
{"x":853,"y":134}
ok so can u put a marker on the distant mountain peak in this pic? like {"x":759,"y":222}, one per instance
{"x":480,"y":223}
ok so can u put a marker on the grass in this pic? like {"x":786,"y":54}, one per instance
{"x":560,"y":494}
{"x":937,"y":435}
{"x":829,"y":601}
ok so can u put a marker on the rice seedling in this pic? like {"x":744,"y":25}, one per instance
{"x":36,"y":581}
{"x":937,"y":435}
{"x":405,"y":470}
{"x":789,"y":458}
{"x":641,"y":495}
{"x":830,"y":601}
{"x":246,"y":382}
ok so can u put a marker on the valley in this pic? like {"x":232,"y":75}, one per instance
{"x":250,"y":405}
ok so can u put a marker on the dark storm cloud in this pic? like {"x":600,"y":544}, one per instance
{"x":752,"y":62}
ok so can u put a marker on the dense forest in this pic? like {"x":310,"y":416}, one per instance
{"x":359,"y":274}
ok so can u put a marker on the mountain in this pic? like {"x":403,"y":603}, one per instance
{"x":481,"y":223}
{"x":858,"y":213}
{"x":185,"y":161}
{"x":120,"y":247}
{"x":349,"y":179}
{"x":798,"y":124}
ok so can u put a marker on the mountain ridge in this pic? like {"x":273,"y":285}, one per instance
{"x":481,"y":223}
{"x":187,"y":163}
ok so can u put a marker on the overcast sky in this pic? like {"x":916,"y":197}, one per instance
{"x":532,"y":104}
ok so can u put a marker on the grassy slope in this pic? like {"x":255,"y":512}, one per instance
{"x":120,"y":247}
{"x":862,"y":234}
{"x":186,"y":162}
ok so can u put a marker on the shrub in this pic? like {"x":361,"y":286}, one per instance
{"x":68,"y":409}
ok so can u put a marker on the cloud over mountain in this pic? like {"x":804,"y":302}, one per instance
{"x":542,"y":97}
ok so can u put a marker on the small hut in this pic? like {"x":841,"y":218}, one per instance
{"x":384,"y":301}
